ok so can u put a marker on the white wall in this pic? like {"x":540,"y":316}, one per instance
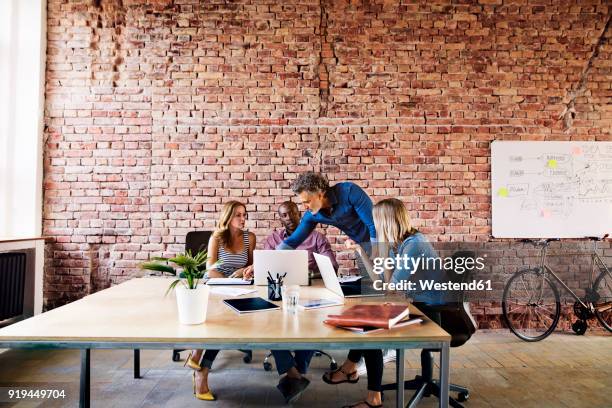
{"x":22,"y":68}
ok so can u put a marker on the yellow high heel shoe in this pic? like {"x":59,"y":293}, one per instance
{"x":192,"y":364}
{"x":207,"y":396}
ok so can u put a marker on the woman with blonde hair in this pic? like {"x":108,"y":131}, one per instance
{"x":230,"y":255}
{"x":397,"y":237}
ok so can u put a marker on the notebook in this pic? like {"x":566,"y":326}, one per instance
{"x":250,"y":305}
{"x":383,"y":315}
{"x":370,"y":329}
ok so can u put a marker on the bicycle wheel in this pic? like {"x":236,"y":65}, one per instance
{"x":531,"y":305}
{"x":602,"y":289}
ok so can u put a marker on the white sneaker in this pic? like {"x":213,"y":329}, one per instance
{"x":389,"y":356}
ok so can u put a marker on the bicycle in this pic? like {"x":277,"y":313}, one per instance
{"x":531,"y":305}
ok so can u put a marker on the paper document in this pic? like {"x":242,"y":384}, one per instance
{"x":228,"y":281}
{"x":349,"y":278}
{"x":318,"y":303}
{"x":229,"y":291}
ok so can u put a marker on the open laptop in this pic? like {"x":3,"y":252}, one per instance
{"x":293,"y":262}
{"x":353,"y":289}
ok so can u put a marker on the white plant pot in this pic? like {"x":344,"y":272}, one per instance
{"x":192,"y":304}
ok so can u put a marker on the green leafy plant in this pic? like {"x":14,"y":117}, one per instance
{"x":192,"y":268}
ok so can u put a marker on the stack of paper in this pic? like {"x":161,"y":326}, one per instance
{"x":230,"y":291}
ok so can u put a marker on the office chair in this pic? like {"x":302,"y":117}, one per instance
{"x":196,"y":241}
{"x":454,"y":318}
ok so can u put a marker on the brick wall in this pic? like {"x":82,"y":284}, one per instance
{"x":157,"y":112}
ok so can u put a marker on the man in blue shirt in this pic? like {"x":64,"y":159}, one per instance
{"x":344,"y":205}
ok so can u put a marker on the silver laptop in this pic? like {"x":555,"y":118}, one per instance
{"x":353,"y":289}
{"x":292,"y":262}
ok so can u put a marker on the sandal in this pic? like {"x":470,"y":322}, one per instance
{"x":363,"y":402}
{"x":327,"y":377}
{"x":192,"y":364}
{"x":206,"y":396}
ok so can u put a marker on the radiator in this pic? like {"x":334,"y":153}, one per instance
{"x":12,"y":284}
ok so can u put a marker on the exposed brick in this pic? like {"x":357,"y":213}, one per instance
{"x":157,"y":112}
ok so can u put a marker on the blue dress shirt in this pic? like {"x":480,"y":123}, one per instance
{"x":351,"y":212}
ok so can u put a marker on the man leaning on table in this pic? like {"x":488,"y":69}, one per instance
{"x":294,"y":366}
{"x":344,"y":205}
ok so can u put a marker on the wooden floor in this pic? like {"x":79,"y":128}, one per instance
{"x":501,"y":371}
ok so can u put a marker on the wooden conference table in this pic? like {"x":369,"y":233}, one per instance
{"x":136,"y":315}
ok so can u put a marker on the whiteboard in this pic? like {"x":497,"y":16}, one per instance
{"x":551,"y":189}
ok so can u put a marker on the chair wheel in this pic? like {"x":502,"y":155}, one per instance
{"x":176,"y":356}
{"x":333,"y":365}
{"x":267,"y":366}
{"x":579,"y":327}
{"x":463,"y":396}
{"x":247,"y":358}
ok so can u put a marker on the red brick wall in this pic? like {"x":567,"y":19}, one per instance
{"x":159,"y":111}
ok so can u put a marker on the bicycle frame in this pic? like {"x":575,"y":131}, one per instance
{"x":595,"y":259}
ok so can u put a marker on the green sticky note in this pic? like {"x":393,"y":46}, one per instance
{"x":552,"y":164}
{"x":502,"y":192}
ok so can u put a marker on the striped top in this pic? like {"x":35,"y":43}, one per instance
{"x":230,"y":261}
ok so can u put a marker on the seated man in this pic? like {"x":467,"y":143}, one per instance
{"x":315,"y":242}
{"x":293,"y":383}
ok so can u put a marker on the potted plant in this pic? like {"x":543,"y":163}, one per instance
{"x":191,"y":298}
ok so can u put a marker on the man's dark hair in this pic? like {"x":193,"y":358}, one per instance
{"x":311,"y":182}
{"x":290,"y":205}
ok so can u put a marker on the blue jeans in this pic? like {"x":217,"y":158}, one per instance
{"x":285,"y":360}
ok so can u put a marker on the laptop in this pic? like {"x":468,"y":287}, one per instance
{"x":352,"y":289}
{"x":292,"y":262}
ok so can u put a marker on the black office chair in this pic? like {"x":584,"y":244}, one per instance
{"x":196,"y":241}
{"x":455,"y":318}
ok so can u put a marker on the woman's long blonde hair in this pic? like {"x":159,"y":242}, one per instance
{"x":392,"y":222}
{"x":222,"y":232}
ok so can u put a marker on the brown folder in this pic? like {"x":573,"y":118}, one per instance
{"x":384,"y":315}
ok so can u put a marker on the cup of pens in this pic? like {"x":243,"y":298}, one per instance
{"x":274,"y":287}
